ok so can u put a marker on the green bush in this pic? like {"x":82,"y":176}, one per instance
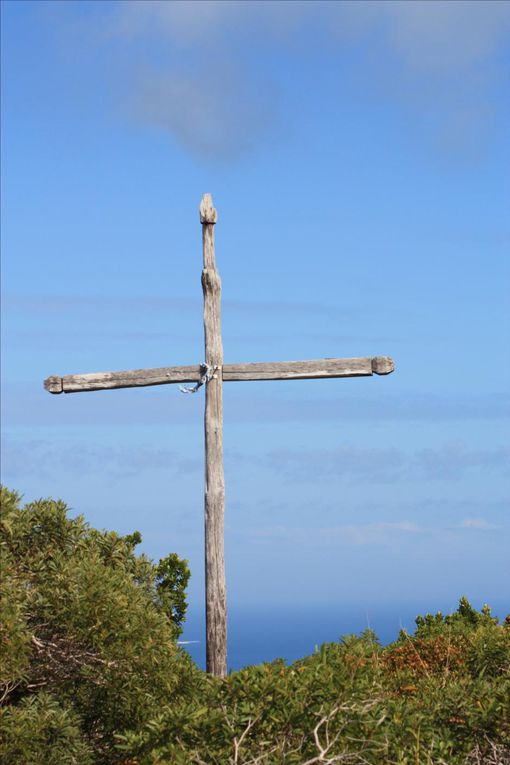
{"x":88,"y":622}
{"x":38,"y":730}
{"x":439,"y":696}
{"x":90,"y":671}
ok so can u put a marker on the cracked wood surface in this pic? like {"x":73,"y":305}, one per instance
{"x":216,"y":605}
{"x":260,"y":370}
{"x":215,"y":584}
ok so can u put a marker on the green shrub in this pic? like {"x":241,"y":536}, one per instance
{"x":88,"y":621}
{"x":439,"y":696}
{"x":91,"y":673}
{"x":39,"y":730}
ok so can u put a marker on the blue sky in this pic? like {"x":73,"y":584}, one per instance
{"x":358,"y":157}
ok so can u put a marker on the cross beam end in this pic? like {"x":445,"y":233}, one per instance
{"x":382,"y":365}
{"x":54,"y":384}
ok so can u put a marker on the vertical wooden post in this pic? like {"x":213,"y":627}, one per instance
{"x":215,"y":588}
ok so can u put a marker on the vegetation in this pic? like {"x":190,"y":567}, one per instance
{"x":88,"y":635}
{"x":91,"y":673}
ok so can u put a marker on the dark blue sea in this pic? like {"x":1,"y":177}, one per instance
{"x":263,"y":634}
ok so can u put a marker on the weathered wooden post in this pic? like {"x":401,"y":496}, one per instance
{"x":215,"y":587}
{"x":213,"y":376}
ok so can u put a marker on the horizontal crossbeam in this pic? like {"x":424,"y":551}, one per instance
{"x":306,"y":370}
{"x":266,"y":370}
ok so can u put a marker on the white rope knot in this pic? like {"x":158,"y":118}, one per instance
{"x":207,"y":374}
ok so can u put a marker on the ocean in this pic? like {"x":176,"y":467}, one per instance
{"x":259,"y":634}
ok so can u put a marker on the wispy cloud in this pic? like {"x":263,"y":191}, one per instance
{"x":444,"y":36}
{"x":103,"y":306}
{"x":389,"y":533}
{"x":344,"y":462}
{"x":479,"y":524}
{"x":191,"y":69}
{"x":383,"y":465}
{"x":59,"y":305}
{"x":381,"y":533}
{"x":433,"y":57}
{"x":421,"y":510}
{"x":440,"y":36}
{"x":42,"y":458}
{"x":373,"y":407}
{"x":216,"y":113}
{"x":28,"y":404}
{"x":90,"y":319}
{"x":452,"y":461}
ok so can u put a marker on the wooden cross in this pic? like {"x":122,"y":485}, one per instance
{"x":212,"y":374}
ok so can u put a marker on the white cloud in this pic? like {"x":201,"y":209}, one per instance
{"x":381,"y":533}
{"x":39,"y":306}
{"x":27,"y":404}
{"x":446,"y":36}
{"x":435,"y":36}
{"x":432,"y":59}
{"x":383,"y":465}
{"x":215,"y":113}
{"x":477,"y":523}
{"x":42,"y":458}
{"x":453,"y":460}
{"x":177,"y":20}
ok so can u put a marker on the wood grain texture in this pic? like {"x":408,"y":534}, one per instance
{"x":207,"y":212}
{"x":383,"y":365}
{"x":261,"y":370}
{"x":53,"y":384}
{"x":131,"y":378}
{"x":215,"y":585}
{"x":298,"y":370}
{"x":216,"y":601}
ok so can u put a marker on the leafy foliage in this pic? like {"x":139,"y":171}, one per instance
{"x":439,"y":696}
{"x":91,"y":672}
{"x":39,"y":730}
{"x":88,"y":623}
